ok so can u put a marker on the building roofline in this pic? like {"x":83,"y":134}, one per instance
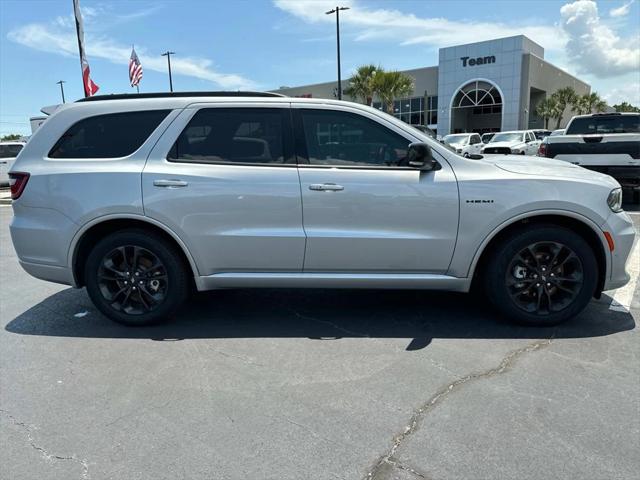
{"x":558,"y":68}
{"x":493,"y":40}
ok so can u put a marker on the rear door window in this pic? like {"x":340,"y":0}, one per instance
{"x":232,"y":135}
{"x":10,"y":151}
{"x":604,"y":124}
{"x":112,"y":135}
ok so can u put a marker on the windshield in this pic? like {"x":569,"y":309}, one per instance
{"x":10,"y":151}
{"x":507,"y":137}
{"x":456,"y":139}
{"x":605,"y":124}
{"x":540,"y":134}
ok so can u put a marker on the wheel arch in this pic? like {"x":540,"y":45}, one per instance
{"x":94,"y":230}
{"x":578,"y":223}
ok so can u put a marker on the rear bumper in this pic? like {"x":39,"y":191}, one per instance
{"x":50,"y":273}
{"x":621,"y":228}
{"x":41,"y":238}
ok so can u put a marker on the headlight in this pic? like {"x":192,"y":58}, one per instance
{"x":614,"y":200}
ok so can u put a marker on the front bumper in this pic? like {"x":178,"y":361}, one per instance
{"x":621,"y":227}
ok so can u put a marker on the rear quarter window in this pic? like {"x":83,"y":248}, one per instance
{"x":108,"y":136}
{"x":604,"y":124}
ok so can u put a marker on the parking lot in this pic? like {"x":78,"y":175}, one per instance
{"x":315,"y":385}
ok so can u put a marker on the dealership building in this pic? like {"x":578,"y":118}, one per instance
{"x":481,"y":87}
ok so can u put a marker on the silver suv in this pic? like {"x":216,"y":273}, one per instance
{"x":141,"y":198}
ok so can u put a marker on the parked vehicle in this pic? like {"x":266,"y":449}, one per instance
{"x":466,"y":144}
{"x":604,"y":142}
{"x":520,"y":142}
{"x":142,"y":197}
{"x":541,"y":134}
{"x":8,"y":153}
{"x":486,"y":137}
{"x":559,"y":131}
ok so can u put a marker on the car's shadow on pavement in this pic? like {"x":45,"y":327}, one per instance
{"x":315,"y":314}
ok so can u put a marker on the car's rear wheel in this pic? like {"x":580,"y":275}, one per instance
{"x":136,"y":277}
{"x":542,"y":276}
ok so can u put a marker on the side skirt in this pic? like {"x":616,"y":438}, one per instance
{"x":422,"y":281}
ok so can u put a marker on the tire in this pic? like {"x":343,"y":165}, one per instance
{"x":161,"y":278}
{"x":465,"y":155}
{"x":527,"y":290}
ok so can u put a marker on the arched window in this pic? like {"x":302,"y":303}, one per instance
{"x":477,"y":93}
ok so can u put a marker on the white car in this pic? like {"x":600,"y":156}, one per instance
{"x":142,"y":198}
{"x":465,"y":144}
{"x":519,"y":142}
{"x":8,"y":153}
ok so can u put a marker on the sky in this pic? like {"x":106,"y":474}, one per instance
{"x":264,"y":44}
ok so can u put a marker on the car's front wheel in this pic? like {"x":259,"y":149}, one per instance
{"x":136,"y":277}
{"x":542,"y":276}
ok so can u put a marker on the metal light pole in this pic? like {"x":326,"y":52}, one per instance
{"x":61,"y":89}
{"x":168,"y":55}
{"x":337,"y":12}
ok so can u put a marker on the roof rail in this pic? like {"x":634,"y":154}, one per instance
{"x":133,"y":96}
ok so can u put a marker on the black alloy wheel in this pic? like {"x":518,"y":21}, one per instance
{"x":541,"y":275}
{"x":544,"y":277}
{"x":133,"y":280}
{"x":137,"y":277}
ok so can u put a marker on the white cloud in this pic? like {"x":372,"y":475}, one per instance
{"x":627,"y":93}
{"x":594,"y":48}
{"x":58,"y":37}
{"x":409,"y":29}
{"x":621,"y":11}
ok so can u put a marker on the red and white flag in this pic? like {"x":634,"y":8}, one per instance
{"x":90,"y":88}
{"x":135,"y":69}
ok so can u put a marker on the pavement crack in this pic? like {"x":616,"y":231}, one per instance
{"x":28,"y":429}
{"x":331,"y":324}
{"x":505,"y":364}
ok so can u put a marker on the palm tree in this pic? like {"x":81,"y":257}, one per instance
{"x":391,"y":85}
{"x":625,"y":107}
{"x":564,"y":97}
{"x":361,"y":83}
{"x":589,"y":103}
{"x":547,"y":108}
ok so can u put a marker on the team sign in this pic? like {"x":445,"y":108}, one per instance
{"x":477,"y":61}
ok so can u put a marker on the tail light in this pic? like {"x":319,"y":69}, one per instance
{"x":17,"y":182}
{"x":542,"y":150}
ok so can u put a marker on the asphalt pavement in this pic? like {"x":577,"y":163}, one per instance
{"x":314,"y":384}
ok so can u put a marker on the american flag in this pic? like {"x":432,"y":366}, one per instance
{"x":135,"y":68}
{"x":90,"y":88}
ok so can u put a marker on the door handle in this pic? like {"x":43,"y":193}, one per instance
{"x":325,"y":187}
{"x":170,"y":183}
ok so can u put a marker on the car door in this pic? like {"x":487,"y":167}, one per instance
{"x":363,"y":210}
{"x":532,"y":143}
{"x":224,"y":178}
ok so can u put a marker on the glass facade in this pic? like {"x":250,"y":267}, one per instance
{"x":412,"y":110}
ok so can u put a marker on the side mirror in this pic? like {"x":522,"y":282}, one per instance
{"x":419,"y":157}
